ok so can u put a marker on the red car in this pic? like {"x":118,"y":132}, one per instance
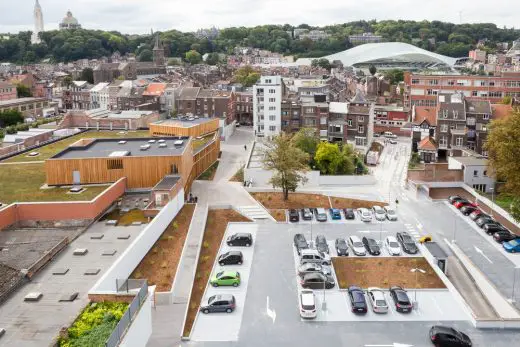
{"x":458,"y":204}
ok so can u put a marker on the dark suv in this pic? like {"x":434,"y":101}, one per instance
{"x":401,"y":300}
{"x":371,"y":246}
{"x":358,"y":303}
{"x":231,"y":258}
{"x":492,"y":228}
{"x":321,"y":244}
{"x":407,"y":243}
{"x":443,"y":336}
{"x":219,"y":303}
{"x":300,"y":243}
{"x":240,"y":239}
{"x":293,"y":215}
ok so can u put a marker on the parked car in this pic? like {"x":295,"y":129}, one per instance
{"x":341,"y":247}
{"x":484,"y":220}
{"x":349,"y":213}
{"x":512,"y":246}
{"x":306,"y":214}
{"x":335,"y":213}
{"x":317,"y":281}
{"x":364,"y":214}
{"x":307,"y":304}
{"x":358,"y":303}
{"x":504,"y":236}
{"x":300,"y":243}
{"x":407,"y":243}
{"x":321,"y":214}
{"x":392,"y":245}
{"x":442,"y":336}
{"x":219,"y":303}
{"x":476,"y":214}
{"x":401,"y":300}
{"x":321,"y":244}
{"x":308,"y":268}
{"x":454,"y":198}
{"x":468,"y":209}
{"x":226,"y":278}
{"x":313,"y":256}
{"x":293,"y":215}
{"x":393,"y":141}
{"x":390,"y":213}
{"x":240,"y":239}
{"x":231,"y":258}
{"x":377,"y":299}
{"x":458,"y":204}
{"x":379,"y":213}
{"x":357,"y":246}
{"x":491,"y":228}
{"x":371,"y":246}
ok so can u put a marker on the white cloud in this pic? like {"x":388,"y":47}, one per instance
{"x":139,"y":16}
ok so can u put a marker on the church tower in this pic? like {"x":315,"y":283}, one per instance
{"x":38,"y":23}
{"x":158,"y":52}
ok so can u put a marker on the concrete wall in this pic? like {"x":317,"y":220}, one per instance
{"x":226,"y":130}
{"x":438,"y":172}
{"x":141,"y":328}
{"x":132,"y":256}
{"x":347,"y":180}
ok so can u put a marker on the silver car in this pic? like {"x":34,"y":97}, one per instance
{"x":356,"y":245}
{"x":392,"y":245}
{"x":390,"y":213}
{"x":377,"y":299}
{"x":379,"y":213}
{"x":321,"y":214}
{"x":314,"y":267}
{"x":365,"y":215}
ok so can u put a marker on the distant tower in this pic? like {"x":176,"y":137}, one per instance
{"x":38,"y":23}
{"x":158,"y":52}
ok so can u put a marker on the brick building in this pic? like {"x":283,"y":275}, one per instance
{"x":7,"y":91}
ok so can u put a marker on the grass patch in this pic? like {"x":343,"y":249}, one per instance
{"x":354,"y":203}
{"x":385,"y":272}
{"x":278,"y":215}
{"x":209,"y":174}
{"x":160,"y":264}
{"x":216,"y":224}
{"x":197,"y":144}
{"x":126,"y":218}
{"x":94,"y":325}
{"x":22,"y":182}
{"x":50,"y":150}
{"x":238,"y":176}
{"x":274,"y":201}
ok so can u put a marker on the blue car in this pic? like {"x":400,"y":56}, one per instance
{"x":512,"y":246}
{"x":335,"y":213}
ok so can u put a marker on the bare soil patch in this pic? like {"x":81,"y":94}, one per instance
{"x":278,"y":215}
{"x":385,"y":272}
{"x":213,"y":233}
{"x":274,"y":200}
{"x":354,"y":203}
{"x":160,"y":264}
{"x":126,"y":218}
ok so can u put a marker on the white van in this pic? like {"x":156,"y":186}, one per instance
{"x":388,"y":134}
{"x":313,"y":256}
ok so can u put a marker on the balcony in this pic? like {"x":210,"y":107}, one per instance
{"x":443,"y":145}
{"x":458,"y":131}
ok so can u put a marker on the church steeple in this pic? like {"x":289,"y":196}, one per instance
{"x":158,"y":52}
{"x":38,"y":23}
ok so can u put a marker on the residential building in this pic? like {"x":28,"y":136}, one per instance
{"x":244,"y":108}
{"x":478,"y":55}
{"x":291,"y":114}
{"x":475,"y":171}
{"x":422,"y":90}
{"x":186,"y":102}
{"x":99,"y":96}
{"x":267,"y":101}
{"x":367,"y":37}
{"x":7,"y":91}
{"x":29,"y":107}
{"x":108,"y":72}
{"x":131,"y":97}
{"x":80,"y":95}
{"x":109,"y":120}
{"x":216,"y":104}
{"x":314,"y":35}
{"x":69,"y":22}
{"x":113,"y":91}
{"x":391,"y":118}
{"x":315,"y":114}
{"x":154,"y":95}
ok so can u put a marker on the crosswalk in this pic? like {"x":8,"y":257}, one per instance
{"x":412,"y":231}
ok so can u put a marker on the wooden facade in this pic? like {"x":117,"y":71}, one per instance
{"x":203,"y":159}
{"x":178,"y":128}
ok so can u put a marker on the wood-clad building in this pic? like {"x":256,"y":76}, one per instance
{"x":194,"y":127}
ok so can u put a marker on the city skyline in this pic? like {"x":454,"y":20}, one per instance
{"x":137,"y":17}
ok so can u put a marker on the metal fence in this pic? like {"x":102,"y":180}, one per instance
{"x":129,"y":315}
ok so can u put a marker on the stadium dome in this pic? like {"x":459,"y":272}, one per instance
{"x":388,"y":55}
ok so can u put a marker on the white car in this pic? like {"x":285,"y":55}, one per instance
{"x":390,"y":213}
{"x":364,"y":214}
{"x":307,"y":304}
{"x":393,"y":142}
{"x":356,"y":245}
{"x":377,"y":299}
{"x":379,"y":213}
{"x":392,"y":245}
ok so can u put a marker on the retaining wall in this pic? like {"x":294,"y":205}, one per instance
{"x":140,"y":329}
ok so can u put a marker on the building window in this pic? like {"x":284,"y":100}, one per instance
{"x":444,"y":128}
{"x":475,"y":173}
{"x":486,"y":117}
{"x":459,"y":141}
{"x":415,"y":81}
{"x":360,"y":119}
{"x":455,"y":114}
{"x":114,"y":164}
{"x":272,"y":118}
{"x":272,"y":108}
{"x":272,"y":99}
{"x":272,"y":91}
{"x":284,"y":113}
{"x":360,"y":129}
{"x":349,"y":122}
{"x":444,"y":114}
{"x":268,"y":81}
{"x":272,"y":128}
{"x":485,"y":173}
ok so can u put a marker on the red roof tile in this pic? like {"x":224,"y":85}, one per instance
{"x":427,"y":144}
{"x":425,"y":113}
{"x":155,"y":89}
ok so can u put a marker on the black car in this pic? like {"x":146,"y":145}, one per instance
{"x":293,"y":215}
{"x":371,"y":246}
{"x":467,"y":209}
{"x":349,"y":213}
{"x":504,"y":236}
{"x":491,"y":228}
{"x":240,"y":239}
{"x":219,"y":303}
{"x":321,"y":244}
{"x":407,"y":243}
{"x":306,"y":214}
{"x":358,"y":303}
{"x":341,"y":247}
{"x":454,"y":198}
{"x":442,"y":336}
{"x":484,"y":220}
{"x":231,"y":258}
{"x":401,"y":300}
{"x":317,"y":280}
{"x":300,"y":242}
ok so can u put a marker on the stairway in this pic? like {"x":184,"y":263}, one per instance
{"x":254,"y":212}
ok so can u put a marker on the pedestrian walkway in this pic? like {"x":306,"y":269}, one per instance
{"x":254,"y":212}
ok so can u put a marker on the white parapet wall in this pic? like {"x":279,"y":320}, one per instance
{"x":132,"y":256}
{"x":140,"y":330}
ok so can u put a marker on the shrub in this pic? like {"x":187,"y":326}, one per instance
{"x":205,"y":244}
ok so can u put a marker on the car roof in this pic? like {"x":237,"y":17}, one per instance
{"x":234,"y":253}
{"x":354,"y":238}
{"x":309,"y":251}
{"x":227,"y":297}
{"x":391,"y":239}
{"x":444,"y":330}
{"x":340,"y":239}
{"x":313,"y":275}
{"x":354,"y":288}
{"x":378,"y":208}
{"x":229,"y":273}
{"x":396,"y":288}
{"x":378,"y":293}
{"x":307,"y":297}
{"x":243,"y":234}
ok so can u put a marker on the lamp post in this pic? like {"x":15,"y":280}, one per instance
{"x":416,"y":270}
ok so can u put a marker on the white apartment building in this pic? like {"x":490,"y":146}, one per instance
{"x":99,"y":96}
{"x":267,"y":105}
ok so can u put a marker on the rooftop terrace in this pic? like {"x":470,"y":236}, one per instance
{"x":184,"y":123}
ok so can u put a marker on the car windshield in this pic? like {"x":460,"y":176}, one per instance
{"x":393,"y":244}
{"x":342,"y":243}
{"x":357,"y":244}
{"x":366,"y":213}
{"x":380,"y":302}
{"x":514,"y":243}
{"x":372,"y":242}
{"x":390,"y":212}
{"x":220,"y":274}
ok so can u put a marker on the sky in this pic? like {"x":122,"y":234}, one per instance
{"x":140,"y":16}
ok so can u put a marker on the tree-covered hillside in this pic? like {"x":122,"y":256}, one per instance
{"x":449,"y":39}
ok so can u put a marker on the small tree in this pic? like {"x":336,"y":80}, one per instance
{"x":307,"y":140}
{"x":213,"y":59}
{"x":288,"y":163}
{"x":372,"y":69}
{"x":146,"y":55}
{"x":328,"y":158}
{"x":193,"y":57}
{"x":246,"y":76}
{"x":23,"y":91}
{"x":87,"y":74}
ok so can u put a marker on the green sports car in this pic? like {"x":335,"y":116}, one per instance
{"x":226,"y":278}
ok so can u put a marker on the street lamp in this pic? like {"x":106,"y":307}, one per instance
{"x":417,"y":270}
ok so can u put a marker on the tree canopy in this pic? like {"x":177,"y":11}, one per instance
{"x":87,"y":74}
{"x":394,"y":76}
{"x":10,"y":117}
{"x":246,"y":76}
{"x":193,"y":57}
{"x":23,"y":91}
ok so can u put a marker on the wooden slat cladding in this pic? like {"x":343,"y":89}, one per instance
{"x":172,"y":129}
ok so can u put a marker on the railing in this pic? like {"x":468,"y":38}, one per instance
{"x":129,"y":315}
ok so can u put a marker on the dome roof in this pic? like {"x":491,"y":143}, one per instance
{"x":69,"y":19}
